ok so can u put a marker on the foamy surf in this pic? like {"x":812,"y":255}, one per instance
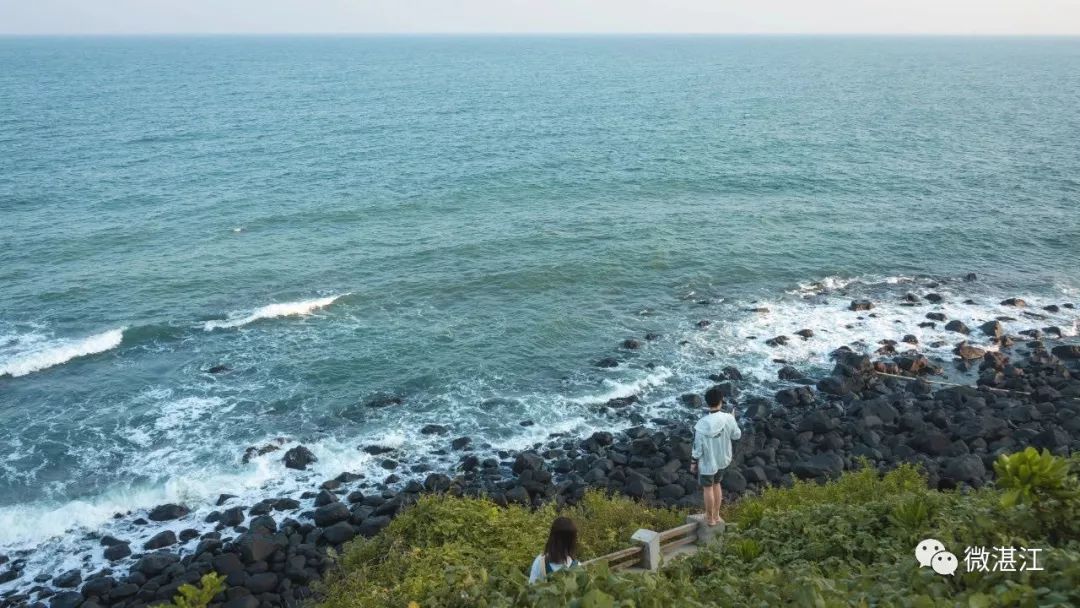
{"x":301,"y":308}
{"x":45,"y":354}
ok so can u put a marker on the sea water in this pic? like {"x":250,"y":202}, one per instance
{"x":469,"y":224}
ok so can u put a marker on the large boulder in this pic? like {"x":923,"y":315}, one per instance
{"x":527,"y":461}
{"x":328,"y":515}
{"x":819,"y":466}
{"x":339,"y":533}
{"x":957,"y":326}
{"x":967,"y":469}
{"x":968,"y":352}
{"x":299,"y":458}
{"x":994,"y":329}
{"x":154,"y":564}
{"x":162,"y":539}
{"x":1066,"y":351}
{"x":167,"y":512}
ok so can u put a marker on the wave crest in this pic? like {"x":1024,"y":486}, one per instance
{"x":270,"y":311}
{"x":51,"y":353}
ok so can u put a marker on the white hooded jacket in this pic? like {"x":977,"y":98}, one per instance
{"x":713,"y":435}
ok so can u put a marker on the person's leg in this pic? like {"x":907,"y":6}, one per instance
{"x":708,"y":492}
{"x":718,"y":499}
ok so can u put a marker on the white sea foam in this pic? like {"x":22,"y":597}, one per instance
{"x":271,"y":311}
{"x":42,"y":354}
{"x":618,"y":389}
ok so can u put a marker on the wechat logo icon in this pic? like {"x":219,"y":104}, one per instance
{"x":931,"y":553}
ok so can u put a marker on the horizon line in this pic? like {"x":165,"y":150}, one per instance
{"x":480,"y":34}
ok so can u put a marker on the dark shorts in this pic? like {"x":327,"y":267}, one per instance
{"x":708,"y":481}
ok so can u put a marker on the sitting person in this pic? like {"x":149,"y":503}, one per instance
{"x":560,"y":551}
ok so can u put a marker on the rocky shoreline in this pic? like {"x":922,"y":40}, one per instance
{"x":883,"y":408}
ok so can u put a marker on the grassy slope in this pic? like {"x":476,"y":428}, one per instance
{"x":849,"y":542}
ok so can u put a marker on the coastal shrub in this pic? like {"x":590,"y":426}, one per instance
{"x":190,"y":596}
{"x":850,"y":542}
{"x":447,"y":551}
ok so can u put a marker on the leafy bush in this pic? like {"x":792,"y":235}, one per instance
{"x":1031,"y":477}
{"x":190,"y":596}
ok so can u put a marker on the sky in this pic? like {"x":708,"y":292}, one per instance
{"x":980,"y":17}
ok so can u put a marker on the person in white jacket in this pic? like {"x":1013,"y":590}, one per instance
{"x":713,"y":435}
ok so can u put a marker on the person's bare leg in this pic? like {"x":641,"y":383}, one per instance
{"x":708,"y":492}
{"x":718,"y":499}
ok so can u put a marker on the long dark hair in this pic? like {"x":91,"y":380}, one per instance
{"x":562,"y":541}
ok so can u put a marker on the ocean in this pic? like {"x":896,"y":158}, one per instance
{"x":467,"y":225}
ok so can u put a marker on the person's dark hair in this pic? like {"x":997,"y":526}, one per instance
{"x":714,"y":397}
{"x":562,"y":541}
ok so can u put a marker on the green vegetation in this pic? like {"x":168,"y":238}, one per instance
{"x":447,"y":551}
{"x":849,"y":542}
{"x":190,"y":596}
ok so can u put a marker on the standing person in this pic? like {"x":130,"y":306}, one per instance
{"x":712,"y":451}
{"x":560,"y":551}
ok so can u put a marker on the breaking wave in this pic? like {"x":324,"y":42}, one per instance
{"x":271,"y":311}
{"x":50,"y":353}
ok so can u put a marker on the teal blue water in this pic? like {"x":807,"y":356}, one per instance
{"x":470,"y":223}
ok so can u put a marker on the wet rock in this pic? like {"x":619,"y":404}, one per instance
{"x":154,"y":564}
{"x":437,"y":482}
{"x":331,"y":514}
{"x":968,"y":352}
{"x":339,"y":533}
{"x":858,"y":305}
{"x":620,"y":402}
{"x":1017,"y":302}
{"x":936,"y":316}
{"x":790,"y":373}
{"x":224,"y":498}
{"x":631,"y":344}
{"x":970,"y":277}
{"x":702,"y":324}
{"x":232,"y":517}
{"x":934,"y":297}
{"x":527,"y":461}
{"x":167,"y":512}
{"x":805,"y":334}
{"x":218,"y":369}
{"x":1052,"y":308}
{"x":1066,"y":351}
{"x":299,"y":458}
{"x":460,"y":443}
{"x":71,"y":578}
{"x":909,"y":339}
{"x":117,"y":552}
{"x":162,"y":539}
{"x":67,"y":599}
{"x":777,"y":341}
{"x":693,"y":400}
{"x":434,"y":429}
{"x":286,"y":504}
{"x":607,"y":362}
{"x":957,"y":326}
{"x":384,"y":400}
{"x":994,"y":329}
